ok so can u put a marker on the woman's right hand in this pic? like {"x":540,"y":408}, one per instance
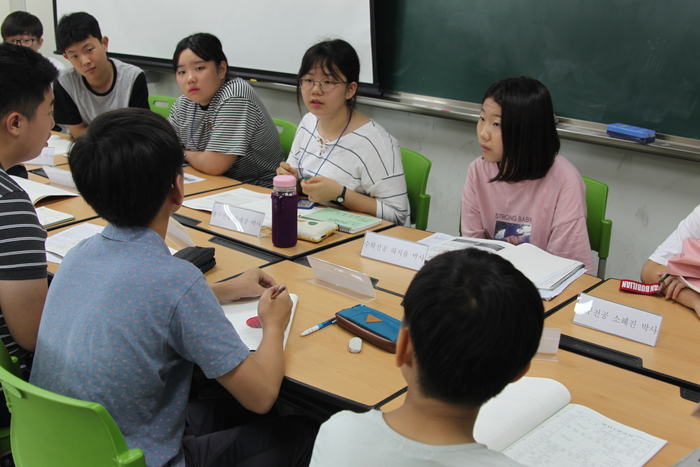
{"x":286,"y":169}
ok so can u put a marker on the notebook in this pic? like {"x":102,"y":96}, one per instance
{"x":348,"y":222}
{"x":49,"y":217}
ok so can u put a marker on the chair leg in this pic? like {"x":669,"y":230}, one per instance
{"x":601,"y":268}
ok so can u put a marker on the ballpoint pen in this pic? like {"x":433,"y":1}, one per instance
{"x":317,"y":327}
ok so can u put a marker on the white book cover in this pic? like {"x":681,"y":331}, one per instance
{"x":38,"y":191}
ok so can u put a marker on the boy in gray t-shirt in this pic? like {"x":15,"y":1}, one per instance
{"x":95,"y":84}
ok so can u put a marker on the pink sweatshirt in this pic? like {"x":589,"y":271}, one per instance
{"x":550,"y":212}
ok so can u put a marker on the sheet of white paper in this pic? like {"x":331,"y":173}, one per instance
{"x":189,"y":178}
{"x":178,"y":234}
{"x":61,"y":145}
{"x":237,"y":197}
{"x":241,"y":311}
{"x":61,"y":242}
{"x":60,"y":177}
{"x":44,"y":158}
{"x":436,"y":238}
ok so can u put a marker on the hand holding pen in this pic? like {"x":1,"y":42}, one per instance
{"x":275,"y":308}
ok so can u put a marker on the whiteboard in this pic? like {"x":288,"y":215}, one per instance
{"x":266,"y":35}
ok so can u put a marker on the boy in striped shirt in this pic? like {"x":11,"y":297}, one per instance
{"x":26,"y":119}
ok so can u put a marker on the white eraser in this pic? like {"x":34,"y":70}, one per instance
{"x":355,"y":345}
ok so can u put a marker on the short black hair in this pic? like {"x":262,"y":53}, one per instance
{"x":528,"y":129}
{"x":19,"y":23}
{"x":475,"y":323}
{"x":76,"y":27}
{"x":204,"y":45}
{"x":25,"y":78}
{"x":125,"y":165}
{"x":337,"y":56}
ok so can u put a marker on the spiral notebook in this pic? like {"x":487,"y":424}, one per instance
{"x":348,"y":222}
{"x":49,"y":217}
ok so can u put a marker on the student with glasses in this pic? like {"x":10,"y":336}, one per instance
{"x":221,"y":122}
{"x":339,"y":155}
{"x":22,"y":28}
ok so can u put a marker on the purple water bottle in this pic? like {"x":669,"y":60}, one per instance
{"x":284,"y":211}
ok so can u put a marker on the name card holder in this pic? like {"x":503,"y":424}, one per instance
{"x":549,"y":345}
{"x":62,"y":178}
{"x":342,"y":280}
{"x":237,"y":219}
{"x":44,"y":158}
{"x":394,"y":251}
{"x":619,"y":320}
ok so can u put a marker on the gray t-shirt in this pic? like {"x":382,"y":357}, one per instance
{"x":123,"y":323}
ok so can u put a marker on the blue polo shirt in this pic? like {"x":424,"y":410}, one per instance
{"x":123,"y":323}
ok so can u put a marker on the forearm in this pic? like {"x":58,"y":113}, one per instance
{"x":355,"y":201}
{"x":22,"y":303}
{"x":77,"y":130}
{"x":652,"y":272}
{"x":210,"y":162}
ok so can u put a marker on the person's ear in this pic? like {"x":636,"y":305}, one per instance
{"x":522,"y":373}
{"x":404,"y":349}
{"x":13,"y":123}
{"x":105,"y":42}
{"x":39,"y":43}
{"x":177,"y":191}
{"x":223,"y":67}
{"x":351,"y":90}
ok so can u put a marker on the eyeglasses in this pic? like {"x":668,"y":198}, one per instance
{"x":326,"y":85}
{"x":24,"y":42}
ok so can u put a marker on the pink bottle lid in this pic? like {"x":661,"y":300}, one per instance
{"x":284,"y":181}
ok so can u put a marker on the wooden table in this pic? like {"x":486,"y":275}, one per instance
{"x":210,"y":182}
{"x":200,"y":220}
{"x":397,"y":278}
{"x":629,"y":398}
{"x":229,"y":262}
{"x":320,"y":364}
{"x":676,"y":355}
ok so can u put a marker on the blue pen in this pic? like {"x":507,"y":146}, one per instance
{"x":318,"y":326}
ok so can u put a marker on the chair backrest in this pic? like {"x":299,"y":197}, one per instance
{"x":287,"y":130}
{"x":161,"y":104}
{"x":49,"y":429}
{"x":417,"y":169}
{"x":599,"y":228}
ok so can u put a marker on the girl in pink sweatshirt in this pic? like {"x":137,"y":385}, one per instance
{"x":521,"y":190}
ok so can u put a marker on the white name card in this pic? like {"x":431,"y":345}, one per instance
{"x":45,"y":158}
{"x":238,"y":219}
{"x":60,"y":177}
{"x":394,"y":251}
{"x":619,"y":320}
{"x":342,"y":280}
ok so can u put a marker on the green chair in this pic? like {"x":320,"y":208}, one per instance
{"x":48,"y":429}
{"x":417,"y":169}
{"x":161,"y":104}
{"x":599,"y":228}
{"x":11,"y":365}
{"x":287,"y":130}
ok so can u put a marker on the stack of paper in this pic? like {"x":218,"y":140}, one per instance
{"x":550,"y":274}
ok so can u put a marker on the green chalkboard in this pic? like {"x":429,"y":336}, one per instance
{"x":606,"y":61}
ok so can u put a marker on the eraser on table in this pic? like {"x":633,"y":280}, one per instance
{"x":355,"y":345}
{"x":631,"y":133}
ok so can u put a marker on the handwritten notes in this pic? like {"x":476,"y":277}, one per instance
{"x":620,"y":320}
{"x":237,"y":219}
{"x":394,"y":251}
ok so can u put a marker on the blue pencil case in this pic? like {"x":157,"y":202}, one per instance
{"x":371,"y":325}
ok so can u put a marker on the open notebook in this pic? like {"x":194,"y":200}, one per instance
{"x":532,"y":422}
{"x":243,"y":315}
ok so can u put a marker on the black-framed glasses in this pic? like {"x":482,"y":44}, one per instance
{"x":24,"y":42}
{"x":326,"y":85}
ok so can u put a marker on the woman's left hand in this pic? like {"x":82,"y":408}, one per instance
{"x":321,"y":189}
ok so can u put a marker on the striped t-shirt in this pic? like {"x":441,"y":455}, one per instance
{"x":234,"y":122}
{"x":22,"y":249}
{"x":367,"y":160}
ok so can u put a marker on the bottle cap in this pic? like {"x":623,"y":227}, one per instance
{"x":284,"y":181}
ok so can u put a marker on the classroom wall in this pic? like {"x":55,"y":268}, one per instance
{"x":649,"y":194}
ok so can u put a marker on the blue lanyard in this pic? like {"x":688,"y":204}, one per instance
{"x":301,"y":170}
